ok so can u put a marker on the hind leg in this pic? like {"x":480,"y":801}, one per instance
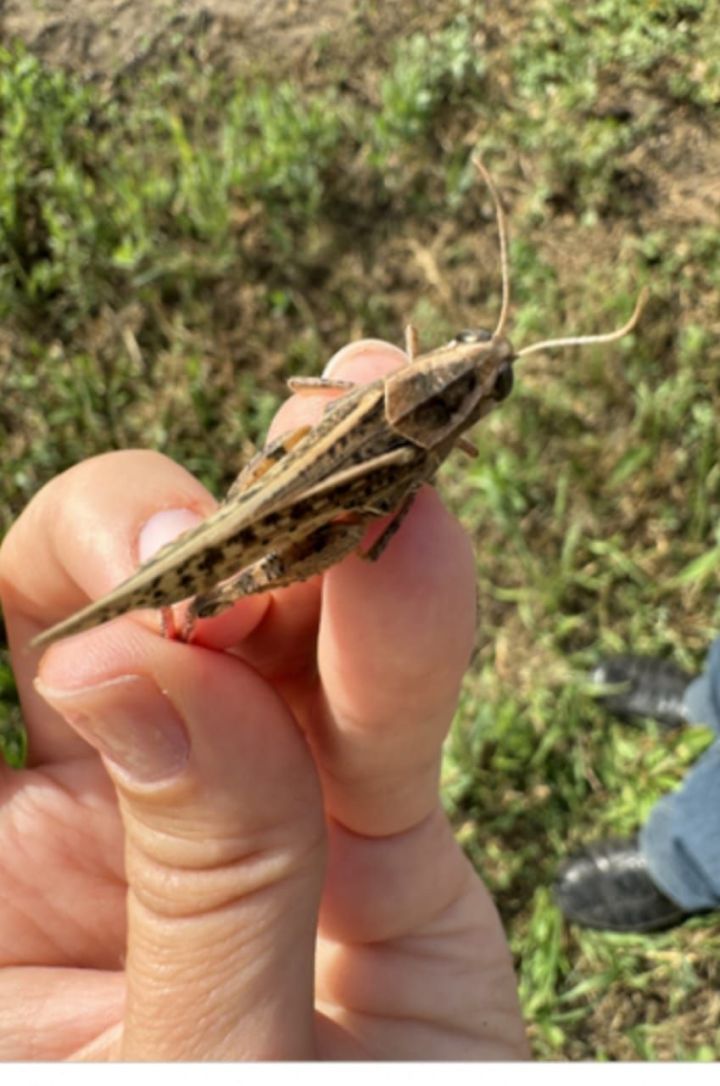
{"x":313,"y":554}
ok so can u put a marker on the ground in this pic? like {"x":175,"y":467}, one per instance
{"x":105,"y":39}
{"x":102,"y":38}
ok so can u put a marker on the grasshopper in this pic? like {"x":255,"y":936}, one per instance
{"x":304,"y":501}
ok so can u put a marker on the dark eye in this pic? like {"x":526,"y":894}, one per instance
{"x":503,"y":382}
{"x":473,"y":335}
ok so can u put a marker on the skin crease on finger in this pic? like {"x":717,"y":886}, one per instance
{"x":376,"y":739}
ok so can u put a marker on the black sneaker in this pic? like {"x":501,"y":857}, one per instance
{"x":608,"y":886}
{"x":649,"y":687}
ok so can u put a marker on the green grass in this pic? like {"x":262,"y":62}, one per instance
{"x":170,"y":252}
{"x":13,"y":737}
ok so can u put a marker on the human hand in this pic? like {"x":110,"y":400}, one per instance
{"x":236,"y":850}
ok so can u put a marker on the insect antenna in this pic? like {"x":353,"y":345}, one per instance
{"x":503,"y":235}
{"x":582,"y":341}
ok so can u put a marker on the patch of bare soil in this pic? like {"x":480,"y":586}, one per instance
{"x":105,"y":38}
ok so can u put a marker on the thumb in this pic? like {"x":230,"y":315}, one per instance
{"x":224,"y":842}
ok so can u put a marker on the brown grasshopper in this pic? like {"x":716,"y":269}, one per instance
{"x":304,"y":502}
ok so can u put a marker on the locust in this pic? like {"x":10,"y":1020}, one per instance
{"x":305,"y":501}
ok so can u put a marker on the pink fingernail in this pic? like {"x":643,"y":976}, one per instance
{"x":129,"y":721}
{"x":162,"y":528}
{"x":362,"y":349}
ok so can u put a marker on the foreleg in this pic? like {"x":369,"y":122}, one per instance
{"x":306,"y":386}
{"x":376,"y":549}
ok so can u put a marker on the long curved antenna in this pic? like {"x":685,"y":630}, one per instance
{"x":582,"y":341}
{"x":503,"y":233}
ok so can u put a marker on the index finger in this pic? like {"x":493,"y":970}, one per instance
{"x":394,"y":642}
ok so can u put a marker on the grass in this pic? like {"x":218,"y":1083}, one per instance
{"x":169,"y":252}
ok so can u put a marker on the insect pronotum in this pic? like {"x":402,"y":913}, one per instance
{"x":304,"y":502}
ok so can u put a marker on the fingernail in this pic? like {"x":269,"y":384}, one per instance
{"x":162,"y":528}
{"x":362,"y":349}
{"x":129,"y":721}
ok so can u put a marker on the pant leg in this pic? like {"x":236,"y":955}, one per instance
{"x":702,"y":697}
{"x":681,"y":839}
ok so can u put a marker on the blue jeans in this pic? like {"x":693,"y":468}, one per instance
{"x":681,"y":839}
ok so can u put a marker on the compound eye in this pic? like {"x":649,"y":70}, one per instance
{"x":503,"y":382}
{"x":473,"y":335}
